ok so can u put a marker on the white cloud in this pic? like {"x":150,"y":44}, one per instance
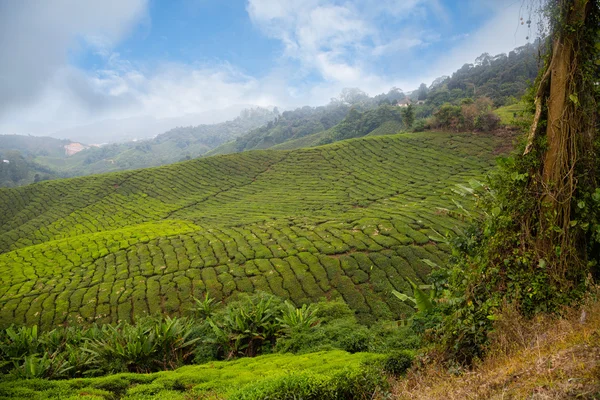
{"x":338,"y":42}
{"x":500,"y":34}
{"x":35,"y":38}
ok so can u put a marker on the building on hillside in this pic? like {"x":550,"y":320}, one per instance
{"x":73,"y":148}
{"x":420,"y":102}
{"x":6,"y":161}
{"x":404,"y":102}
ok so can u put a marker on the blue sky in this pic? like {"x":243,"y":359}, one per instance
{"x":72,"y":63}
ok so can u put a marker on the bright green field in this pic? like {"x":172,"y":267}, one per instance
{"x":214,"y":380}
{"x":352,"y":219}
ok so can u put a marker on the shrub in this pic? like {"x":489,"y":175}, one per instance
{"x":487,"y":121}
{"x":398,"y":362}
{"x":364,"y":383}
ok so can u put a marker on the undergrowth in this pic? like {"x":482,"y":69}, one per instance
{"x":547,"y":357}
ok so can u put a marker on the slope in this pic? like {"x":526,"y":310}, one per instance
{"x":386,"y":119}
{"x":172,"y":146}
{"x":351,"y":220}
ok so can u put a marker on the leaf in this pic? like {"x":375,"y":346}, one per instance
{"x":573,"y":97}
{"x":430,"y":263}
{"x":403,"y":297}
{"x":422,"y":301}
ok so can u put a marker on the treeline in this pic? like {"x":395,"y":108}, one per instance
{"x":16,"y":170}
{"x":502,"y":78}
{"x":305,"y":121}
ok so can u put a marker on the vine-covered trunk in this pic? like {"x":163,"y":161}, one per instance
{"x":564,"y":124}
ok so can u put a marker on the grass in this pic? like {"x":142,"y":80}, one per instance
{"x":514,"y":114}
{"x":548,"y":358}
{"x":214,"y":380}
{"x":348,"y":220}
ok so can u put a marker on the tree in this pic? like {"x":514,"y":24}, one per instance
{"x":566,"y":101}
{"x":422,"y":92}
{"x":408,"y":116}
{"x":353,"y":96}
{"x":538,"y":241}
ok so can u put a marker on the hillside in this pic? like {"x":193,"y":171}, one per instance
{"x":46,"y":156}
{"x":290,"y":125}
{"x":174,"y":145}
{"x":351,"y":219}
{"x":384,"y":119}
{"x":500,"y":77}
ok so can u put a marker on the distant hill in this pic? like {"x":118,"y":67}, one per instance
{"x":17,"y":158}
{"x":144,"y":127}
{"x":46,"y":156}
{"x":17,"y":170}
{"x":306,"y":127}
{"x":290,"y":125}
{"x":351,"y":220}
{"x":33,"y":146}
{"x":503,"y":78}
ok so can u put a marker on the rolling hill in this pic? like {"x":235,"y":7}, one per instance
{"x":354,"y":122}
{"x":352,"y":219}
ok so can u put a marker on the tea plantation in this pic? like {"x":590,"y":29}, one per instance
{"x":349,"y":220}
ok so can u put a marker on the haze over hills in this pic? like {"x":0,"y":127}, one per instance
{"x":144,"y":127}
{"x":502,"y":78}
{"x":35,"y":159}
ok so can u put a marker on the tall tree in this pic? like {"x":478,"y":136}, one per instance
{"x":408,"y":115}
{"x":540,"y":239}
{"x":566,"y":103}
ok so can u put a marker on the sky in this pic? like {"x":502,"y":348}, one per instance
{"x":69,"y":63}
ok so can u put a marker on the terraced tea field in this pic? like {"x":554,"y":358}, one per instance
{"x":352,"y":219}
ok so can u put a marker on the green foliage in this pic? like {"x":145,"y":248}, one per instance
{"x":398,"y":362}
{"x":501,"y":78}
{"x":408,"y":115}
{"x":470,"y":115}
{"x":422,"y":301}
{"x":362,"y":384}
{"x":494,"y":263}
{"x":204,"y":308}
{"x":247,"y":325}
{"x":352,"y":375}
{"x":299,"y":319}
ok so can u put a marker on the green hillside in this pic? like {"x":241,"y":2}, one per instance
{"x":34,"y":145}
{"x":382,"y":120}
{"x":172,"y":146}
{"x":289,"y":126}
{"x":351,"y":220}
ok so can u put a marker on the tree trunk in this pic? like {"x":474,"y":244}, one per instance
{"x":564,"y":114}
{"x":562,"y":70}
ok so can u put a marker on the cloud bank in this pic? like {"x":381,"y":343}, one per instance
{"x":325,"y":45}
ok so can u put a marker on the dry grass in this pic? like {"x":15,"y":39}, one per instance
{"x":548,"y":358}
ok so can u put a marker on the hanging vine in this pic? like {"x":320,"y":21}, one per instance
{"x":539,"y":244}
